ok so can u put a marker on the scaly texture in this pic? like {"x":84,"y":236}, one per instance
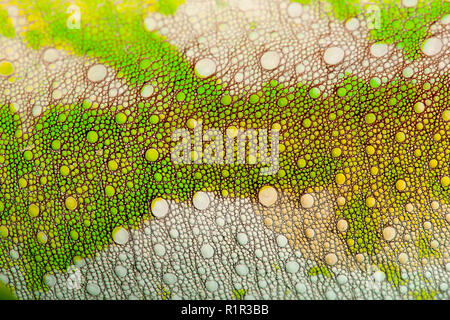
{"x":90,"y":96}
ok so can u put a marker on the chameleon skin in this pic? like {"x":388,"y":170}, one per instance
{"x":87,"y":114}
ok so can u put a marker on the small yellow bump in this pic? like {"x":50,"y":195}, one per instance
{"x":4,"y":232}
{"x":400,"y":185}
{"x":446,"y":115}
{"x":370,"y":202}
{"x":400,"y":137}
{"x":276,"y":127}
{"x":341,"y":201}
{"x":437,"y":137}
{"x":23,"y":183}
{"x":445,"y":181}
{"x":433,"y":163}
{"x":191,"y":123}
{"x":301,"y":163}
{"x":336,"y":152}
{"x":42,"y":237}
{"x":195,"y":155}
{"x":71,"y":203}
{"x":419,"y":107}
{"x":232,"y":132}
{"x":370,"y":150}
{"x":340,"y":178}
{"x":113,"y":165}
{"x":64,"y":170}
{"x":6,"y":68}
{"x":417,"y":152}
{"x":33,"y":210}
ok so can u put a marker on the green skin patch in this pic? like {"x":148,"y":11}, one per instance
{"x":320,"y":270}
{"x":133,"y":172}
{"x":168,"y":7}
{"x":6,"y":27}
{"x":92,"y":170}
{"x":6,"y":292}
{"x":389,"y":22}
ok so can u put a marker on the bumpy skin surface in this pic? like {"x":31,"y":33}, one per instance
{"x":92,"y":206}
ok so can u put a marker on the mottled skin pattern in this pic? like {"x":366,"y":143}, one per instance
{"x":93,"y":206}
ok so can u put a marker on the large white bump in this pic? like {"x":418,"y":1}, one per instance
{"x":160,"y":207}
{"x":205,"y":67}
{"x":50,"y":55}
{"x":97,"y":73}
{"x":120,"y":235}
{"x":270,"y":60}
{"x":432,"y":46}
{"x":201,"y":200}
{"x":333,"y":55}
{"x":267,"y":196}
{"x":378,"y":49}
{"x":294,"y":10}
